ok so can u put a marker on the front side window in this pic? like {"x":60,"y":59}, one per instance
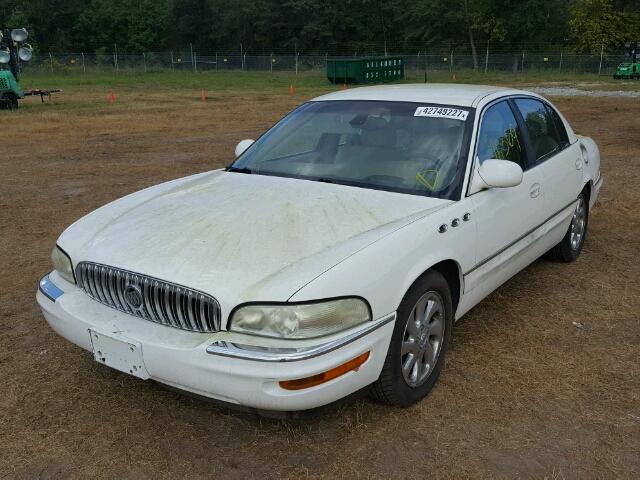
{"x":397,"y":146}
{"x":542,"y":131}
{"x":500,"y":137}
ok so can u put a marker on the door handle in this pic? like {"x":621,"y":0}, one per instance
{"x":534,"y":191}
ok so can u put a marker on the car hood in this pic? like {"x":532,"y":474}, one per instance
{"x":240,"y":237}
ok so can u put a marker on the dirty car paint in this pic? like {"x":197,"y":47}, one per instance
{"x":240,"y":237}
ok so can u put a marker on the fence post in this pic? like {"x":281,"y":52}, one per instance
{"x":426,"y":62}
{"x":560,"y":68}
{"x":486,"y":59}
{"x":51,"y":61}
{"x":418,"y":62}
{"x":451,"y":61}
{"x":84,"y":69}
{"x":216,"y":61}
{"x":522,"y":66}
{"x":192,"y":62}
{"x":241,"y":58}
{"x":172,"y":60}
{"x":295,"y":47}
{"x":195,"y":62}
{"x":115,"y":58}
{"x":144,"y":61}
{"x":601,"y":54}
{"x":271,"y":62}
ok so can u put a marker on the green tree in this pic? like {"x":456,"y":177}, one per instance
{"x":138,"y":26}
{"x":597,"y":24}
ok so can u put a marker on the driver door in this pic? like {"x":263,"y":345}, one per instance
{"x":506,"y":218}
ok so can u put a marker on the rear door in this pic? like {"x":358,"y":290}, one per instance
{"x":560,"y":164}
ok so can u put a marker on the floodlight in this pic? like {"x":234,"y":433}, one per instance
{"x":5,"y":56}
{"x":25,"y":52}
{"x":19,"y":34}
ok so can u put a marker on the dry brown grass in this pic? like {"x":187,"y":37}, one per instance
{"x":525,"y":394}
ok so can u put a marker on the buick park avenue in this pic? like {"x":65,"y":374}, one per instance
{"x":334,"y":254}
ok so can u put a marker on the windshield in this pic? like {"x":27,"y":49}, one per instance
{"x":398,"y":146}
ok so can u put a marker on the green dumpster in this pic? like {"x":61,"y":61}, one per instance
{"x":365,"y":70}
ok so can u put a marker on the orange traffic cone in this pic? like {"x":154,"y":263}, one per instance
{"x":112,"y":98}
{"x":203,"y":96}
{"x":292,"y":90}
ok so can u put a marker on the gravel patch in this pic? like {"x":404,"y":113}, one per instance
{"x":576,"y":92}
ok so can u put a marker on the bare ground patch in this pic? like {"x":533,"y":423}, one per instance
{"x":525,"y":394}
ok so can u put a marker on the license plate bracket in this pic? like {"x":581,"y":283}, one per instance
{"x":120,"y":354}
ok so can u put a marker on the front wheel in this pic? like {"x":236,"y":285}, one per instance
{"x":418,"y":344}
{"x":571,"y":245}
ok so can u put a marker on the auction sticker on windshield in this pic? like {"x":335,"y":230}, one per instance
{"x":441,"y":112}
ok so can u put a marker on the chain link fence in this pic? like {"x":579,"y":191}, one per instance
{"x":516,"y":62}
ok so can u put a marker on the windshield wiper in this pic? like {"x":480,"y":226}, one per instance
{"x":240,"y":170}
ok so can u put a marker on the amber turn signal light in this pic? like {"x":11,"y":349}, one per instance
{"x":336,"y":372}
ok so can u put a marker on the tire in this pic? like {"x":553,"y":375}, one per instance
{"x":400,"y":387}
{"x":9,"y":101}
{"x":569,"y":248}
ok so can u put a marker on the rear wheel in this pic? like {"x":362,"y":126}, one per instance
{"x":9,"y":101}
{"x":418,"y":344}
{"x":571,"y":245}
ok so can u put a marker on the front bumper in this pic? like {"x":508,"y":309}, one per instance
{"x":224,"y":366}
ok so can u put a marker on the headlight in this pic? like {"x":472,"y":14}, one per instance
{"x":62,"y":264}
{"x":305,"y":320}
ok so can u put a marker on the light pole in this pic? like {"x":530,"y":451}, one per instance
{"x":13,"y":48}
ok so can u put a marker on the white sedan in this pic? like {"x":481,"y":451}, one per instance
{"x":334,"y":254}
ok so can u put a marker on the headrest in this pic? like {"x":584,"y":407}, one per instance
{"x":377,"y":133}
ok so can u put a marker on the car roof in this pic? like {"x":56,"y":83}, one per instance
{"x":443,"y":93}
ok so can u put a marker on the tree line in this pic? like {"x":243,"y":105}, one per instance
{"x":335,"y":27}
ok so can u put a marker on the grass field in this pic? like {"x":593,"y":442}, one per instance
{"x":280,"y":81}
{"x":524,"y":393}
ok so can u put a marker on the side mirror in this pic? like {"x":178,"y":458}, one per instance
{"x":496,"y":174}
{"x":242,"y":146}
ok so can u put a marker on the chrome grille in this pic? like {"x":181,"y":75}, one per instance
{"x":149,"y":298}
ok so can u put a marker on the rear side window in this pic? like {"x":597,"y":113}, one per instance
{"x":500,"y":137}
{"x":541,"y":128}
{"x":562,"y":131}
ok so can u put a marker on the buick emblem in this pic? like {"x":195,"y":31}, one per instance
{"x":133,"y":296}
